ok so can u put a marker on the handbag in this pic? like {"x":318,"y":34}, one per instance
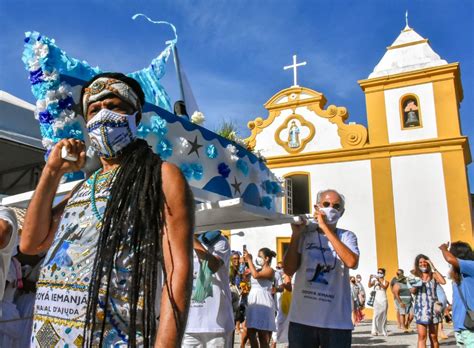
{"x":371,"y":300}
{"x":469,"y":319}
{"x":438,"y":308}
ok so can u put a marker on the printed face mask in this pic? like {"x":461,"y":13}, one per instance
{"x":259,"y":261}
{"x":111,"y":132}
{"x":332,"y":215}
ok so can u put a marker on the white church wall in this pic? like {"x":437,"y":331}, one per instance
{"x":325,"y":138}
{"x":354,"y":180}
{"x":421,"y":212}
{"x":427,"y":112}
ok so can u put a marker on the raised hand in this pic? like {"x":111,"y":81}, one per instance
{"x":60,"y":165}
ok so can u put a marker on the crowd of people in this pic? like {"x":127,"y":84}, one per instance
{"x":420,"y":297}
{"x":117,"y":263}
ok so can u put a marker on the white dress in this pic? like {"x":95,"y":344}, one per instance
{"x":260,"y":311}
{"x":379,"y":321}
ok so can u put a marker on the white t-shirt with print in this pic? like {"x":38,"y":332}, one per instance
{"x":215,"y":314}
{"x":322,"y":292}
{"x":9,"y":216}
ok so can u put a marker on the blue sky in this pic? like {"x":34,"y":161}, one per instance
{"x":233,"y":52}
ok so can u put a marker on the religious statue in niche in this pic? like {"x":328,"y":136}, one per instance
{"x":411,"y":117}
{"x":294,"y":135}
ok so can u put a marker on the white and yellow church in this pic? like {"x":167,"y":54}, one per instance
{"x":404,"y":176}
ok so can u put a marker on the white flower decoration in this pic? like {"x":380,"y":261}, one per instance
{"x":47,"y":143}
{"x":232,"y":151}
{"x":198,"y":118}
{"x":64,"y":90}
{"x":50,"y":76}
{"x":58,"y":125}
{"x":41,"y":105}
{"x":41,"y":50}
{"x":34,"y":64}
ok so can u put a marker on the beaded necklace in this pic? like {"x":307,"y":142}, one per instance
{"x":108,"y":175}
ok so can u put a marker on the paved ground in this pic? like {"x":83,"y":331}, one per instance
{"x":362,"y":338}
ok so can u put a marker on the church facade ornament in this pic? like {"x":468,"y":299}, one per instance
{"x":293,"y":143}
{"x":351,"y":135}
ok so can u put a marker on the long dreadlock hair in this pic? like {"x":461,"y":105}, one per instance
{"x":134,"y":216}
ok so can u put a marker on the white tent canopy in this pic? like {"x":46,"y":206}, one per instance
{"x":21,"y":150}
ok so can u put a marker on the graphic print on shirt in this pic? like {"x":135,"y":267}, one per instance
{"x":324,"y":260}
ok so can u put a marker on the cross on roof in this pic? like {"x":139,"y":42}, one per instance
{"x":294,"y":67}
{"x":407,"y":27}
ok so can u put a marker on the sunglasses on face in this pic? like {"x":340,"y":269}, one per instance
{"x":336,"y":206}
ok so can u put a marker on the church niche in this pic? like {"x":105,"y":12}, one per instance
{"x":410,"y":112}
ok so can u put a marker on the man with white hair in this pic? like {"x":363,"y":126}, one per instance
{"x":321,"y":255}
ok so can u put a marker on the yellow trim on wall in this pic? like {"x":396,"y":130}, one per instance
{"x":279,"y":243}
{"x":447,"y":102}
{"x":352,"y":135}
{"x":447,"y":90}
{"x":303,"y":142}
{"x":384,"y":215}
{"x":408,"y":44}
{"x":402,"y":121}
{"x":308,"y":174}
{"x":371,"y":152}
{"x":458,"y":197}
{"x":416,"y":77}
{"x":275,"y":106}
{"x":377,"y":117}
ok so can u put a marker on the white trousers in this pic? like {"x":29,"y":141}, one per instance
{"x":207,"y":340}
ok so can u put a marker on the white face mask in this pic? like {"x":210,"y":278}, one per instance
{"x":259,"y":261}
{"x":111,"y":132}
{"x":424,"y":269}
{"x":332,"y":215}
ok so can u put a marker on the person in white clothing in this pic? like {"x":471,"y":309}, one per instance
{"x":283,"y":289}
{"x":380,"y":285}
{"x":261,"y":307}
{"x":211,"y":318}
{"x":321,"y":255}
{"x":8,"y":241}
{"x":9,"y":335}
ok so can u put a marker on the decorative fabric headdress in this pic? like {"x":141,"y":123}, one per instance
{"x":105,"y":87}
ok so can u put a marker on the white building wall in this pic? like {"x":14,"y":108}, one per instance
{"x":421,"y":212}
{"x":427,"y":111}
{"x":325,"y":138}
{"x":354,"y":180}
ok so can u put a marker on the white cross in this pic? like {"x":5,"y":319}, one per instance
{"x":407,"y":27}
{"x":294,"y":66}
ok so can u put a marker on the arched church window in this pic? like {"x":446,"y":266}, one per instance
{"x":297,"y":186}
{"x":410,"y":112}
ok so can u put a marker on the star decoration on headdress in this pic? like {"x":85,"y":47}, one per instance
{"x":194,"y":146}
{"x":236,"y":186}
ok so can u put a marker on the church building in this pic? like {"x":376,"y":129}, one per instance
{"x":404,"y":177}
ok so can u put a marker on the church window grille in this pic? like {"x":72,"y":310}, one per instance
{"x":298,"y":200}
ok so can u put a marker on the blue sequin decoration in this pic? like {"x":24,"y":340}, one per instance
{"x":243,"y":166}
{"x":211,"y":151}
